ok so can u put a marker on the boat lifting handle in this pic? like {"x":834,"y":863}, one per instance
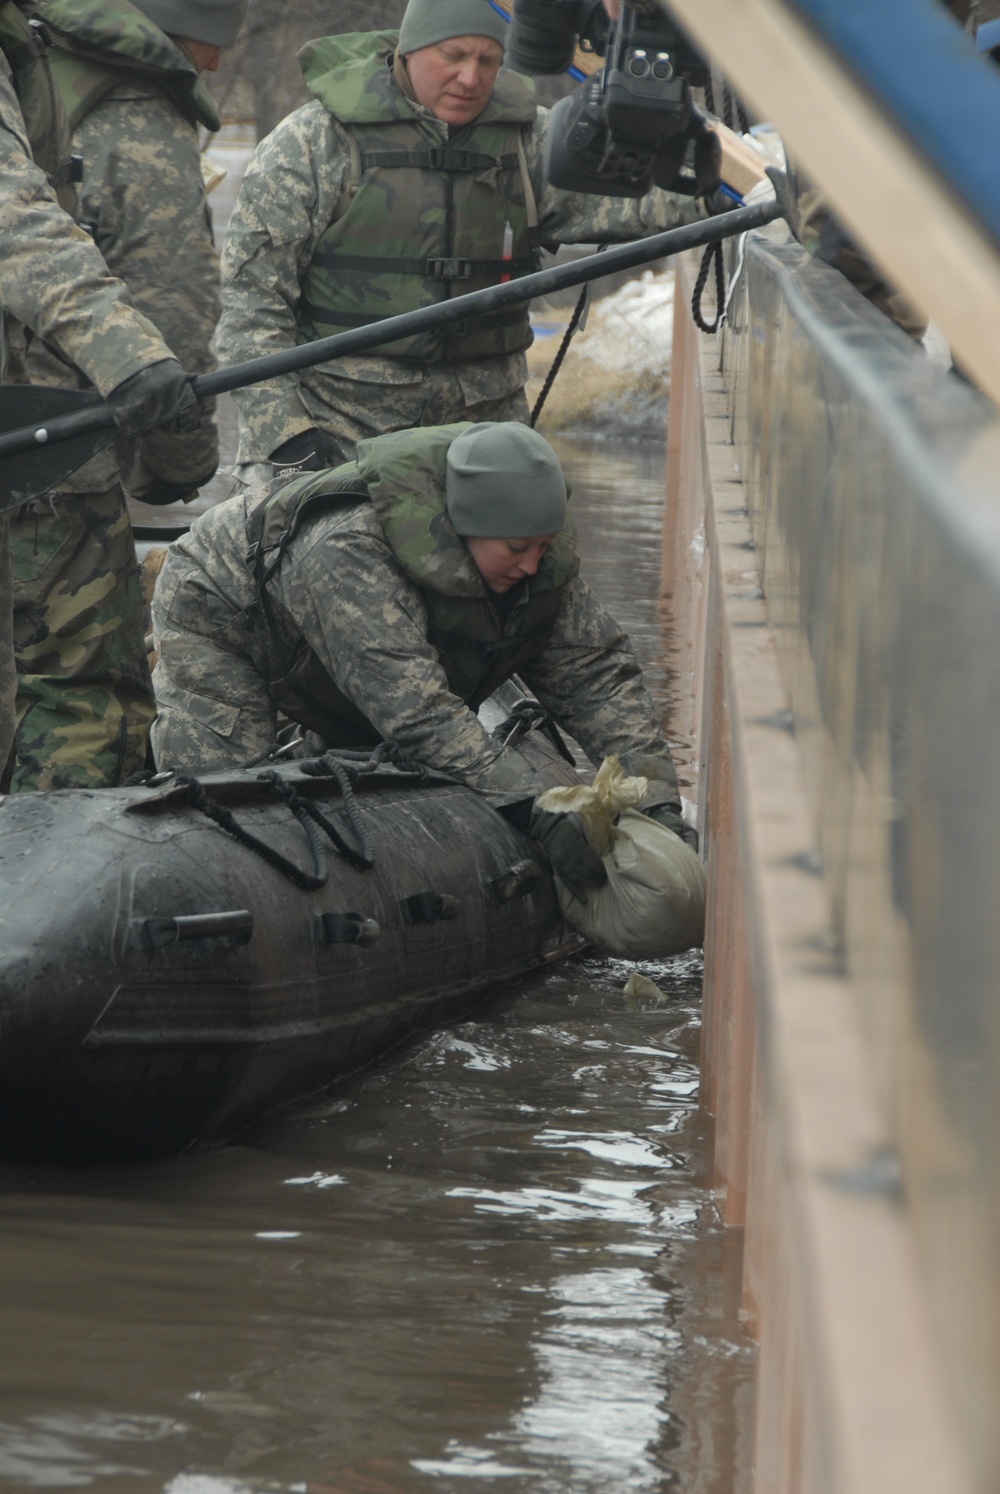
{"x":429,"y":907}
{"x":236,"y":925}
{"x":348,"y":928}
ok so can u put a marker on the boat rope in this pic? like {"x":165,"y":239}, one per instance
{"x":733,"y":115}
{"x":358,"y":763}
{"x":226,"y":820}
{"x":713,"y":252}
{"x":363,"y":859}
{"x":527,"y":716}
{"x":272,"y":754}
{"x":343,"y":765}
{"x":727,"y":296}
{"x":557,"y":362}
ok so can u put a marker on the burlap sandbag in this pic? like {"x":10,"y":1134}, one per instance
{"x":653,"y":903}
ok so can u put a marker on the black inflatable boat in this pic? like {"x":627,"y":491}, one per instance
{"x":179,"y":958}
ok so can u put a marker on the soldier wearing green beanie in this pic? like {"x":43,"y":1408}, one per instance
{"x":426,"y":22}
{"x":214,"y":22}
{"x":416,"y":173}
{"x":504,"y":480}
{"x":385,"y":600}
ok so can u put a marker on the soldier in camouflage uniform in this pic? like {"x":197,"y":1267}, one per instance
{"x":416,"y":173}
{"x":54,"y":283}
{"x":386,"y":599}
{"x":134,"y":99}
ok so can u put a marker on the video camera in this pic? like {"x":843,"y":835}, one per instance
{"x":632,"y":124}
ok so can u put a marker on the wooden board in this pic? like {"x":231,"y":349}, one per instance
{"x":895,"y":204}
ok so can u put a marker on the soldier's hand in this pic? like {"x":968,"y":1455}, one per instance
{"x":565,"y":842}
{"x":158,"y":395}
{"x":161,"y":491}
{"x":670,"y":817}
{"x":308,"y":451}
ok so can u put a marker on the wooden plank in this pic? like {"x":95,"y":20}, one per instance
{"x":742,"y":163}
{"x":898,"y":208}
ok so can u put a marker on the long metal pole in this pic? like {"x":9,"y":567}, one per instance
{"x":427,"y":319}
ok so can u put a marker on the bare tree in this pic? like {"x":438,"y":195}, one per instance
{"x":260,"y":78}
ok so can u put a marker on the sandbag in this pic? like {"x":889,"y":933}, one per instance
{"x":653,"y":903}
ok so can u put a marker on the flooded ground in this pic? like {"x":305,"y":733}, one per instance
{"x":490,"y":1263}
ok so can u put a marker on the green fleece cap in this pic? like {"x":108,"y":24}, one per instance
{"x":215,"y":22}
{"x":426,"y":22}
{"x":504,"y":481}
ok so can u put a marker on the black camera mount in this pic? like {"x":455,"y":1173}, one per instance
{"x":633,"y":123}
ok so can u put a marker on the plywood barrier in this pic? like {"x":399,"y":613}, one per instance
{"x":802,"y":531}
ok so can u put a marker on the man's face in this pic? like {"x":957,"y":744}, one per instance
{"x":454,"y":78}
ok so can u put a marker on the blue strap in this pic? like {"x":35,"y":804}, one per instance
{"x":923,"y":69}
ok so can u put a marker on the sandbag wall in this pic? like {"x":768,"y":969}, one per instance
{"x":832,"y":560}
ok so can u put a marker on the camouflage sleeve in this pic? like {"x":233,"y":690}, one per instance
{"x":589,"y":680}
{"x":143,"y":199}
{"x":52,"y":277}
{"x":368,"y":625}
{"x":288,"y":199}
{"x":585,"y":218}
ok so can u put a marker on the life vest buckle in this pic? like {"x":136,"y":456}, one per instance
{"x":442,"y":268}
{"x":41,"y":34}
{"x":69,"y":171}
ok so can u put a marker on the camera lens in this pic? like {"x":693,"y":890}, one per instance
{"x":638,"y":64}
{"x":662,"y":66}
{"x":542,"y":36}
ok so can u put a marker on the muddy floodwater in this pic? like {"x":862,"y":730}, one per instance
{"x":489,"y":1263}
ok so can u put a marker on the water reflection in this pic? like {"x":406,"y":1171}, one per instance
{"x":490,"y":1262}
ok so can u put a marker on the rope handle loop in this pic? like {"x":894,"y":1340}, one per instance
{"x":226,"y":820}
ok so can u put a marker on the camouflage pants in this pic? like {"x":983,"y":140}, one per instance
{"x":84,"y":698}
{"x":7,"y":685}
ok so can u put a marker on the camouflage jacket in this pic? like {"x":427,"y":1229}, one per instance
{"x":143,"y":201}
{"x":293,"y":191}
{"x":346,"y":588}
{"x":53,"y":280}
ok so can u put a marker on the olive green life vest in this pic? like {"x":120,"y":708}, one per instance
{"x":24,"y":41}
{"x":423,"y":221}
{"x":101,"y":45}
{"x":479,"y":646}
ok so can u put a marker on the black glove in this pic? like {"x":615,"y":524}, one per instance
{"x":669,"y":815}
{"x":691,"y":163}
{"x":159,"y":395}
{"x":309,"y":451}
{"x":573,"y":858}
{"x":161,"y":491}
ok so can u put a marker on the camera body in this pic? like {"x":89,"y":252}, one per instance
{"x":633,"y":123}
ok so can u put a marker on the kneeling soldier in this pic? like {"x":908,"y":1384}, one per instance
{"x":386,"y":599}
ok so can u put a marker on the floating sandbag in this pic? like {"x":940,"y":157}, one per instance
{"x":653,"y":903}
{"x":638,"y":988}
